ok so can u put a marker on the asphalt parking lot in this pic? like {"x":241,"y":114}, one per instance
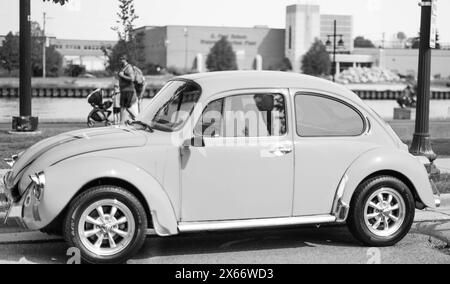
{"x":282,"y":246}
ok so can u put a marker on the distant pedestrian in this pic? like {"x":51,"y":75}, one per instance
{"x":128,"y":97}
{"x":116,"y":104}
{"x":140,"y":85}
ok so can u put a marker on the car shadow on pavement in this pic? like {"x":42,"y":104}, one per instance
{"x":251,"y":240}
{"x":55,"y":251}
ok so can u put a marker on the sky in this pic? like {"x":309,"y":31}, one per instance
{"x":92,"y":19}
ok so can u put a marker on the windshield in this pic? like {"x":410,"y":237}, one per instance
{"x":172,"y":106}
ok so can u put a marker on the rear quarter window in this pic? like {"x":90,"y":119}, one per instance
{"x":323,"y":116}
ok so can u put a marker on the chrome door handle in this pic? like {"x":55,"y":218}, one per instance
{"x":284,"y":150}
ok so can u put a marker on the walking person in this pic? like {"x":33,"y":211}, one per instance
{"x":140,"y":85}
{"x":128,"y":97}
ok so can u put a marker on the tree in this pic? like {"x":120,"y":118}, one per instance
{"x":284,"y":65}
{"x":122,"y":47}
{"x":221,"y":56}
{"x":9,"y":53}
{"x":127,"y":17}
{"x":317,"y":61}
{"x":362,"y":42}
{"x":401,"y":36}
{"x":128,"y":44}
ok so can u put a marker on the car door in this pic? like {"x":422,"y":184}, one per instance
{"x":330,"y":135}
{"x":245,"y":169}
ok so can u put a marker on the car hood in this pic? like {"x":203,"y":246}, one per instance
{"x":53,"y":150}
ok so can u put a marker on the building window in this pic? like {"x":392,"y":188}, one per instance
{"x":290,"y":37}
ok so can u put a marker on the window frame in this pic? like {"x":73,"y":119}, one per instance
{"x":193,"y":83}
{"x":237,"y":93}
{"x":201,"y":118}
{"x":329,"y":97}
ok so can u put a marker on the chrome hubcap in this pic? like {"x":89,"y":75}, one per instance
{"x":106,"y":227}
{"x":384,"y":212}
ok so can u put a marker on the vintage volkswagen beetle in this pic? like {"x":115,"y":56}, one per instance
{"x":222,"y":151}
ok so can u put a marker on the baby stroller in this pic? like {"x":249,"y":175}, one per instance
{"x":100,"y":112}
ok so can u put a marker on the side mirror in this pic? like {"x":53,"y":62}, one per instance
{"x":196,"y":141}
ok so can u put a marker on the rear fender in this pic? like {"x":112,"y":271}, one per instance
{"x":382,"y":160}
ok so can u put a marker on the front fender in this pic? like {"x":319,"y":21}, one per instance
{"x":64,"y":181}
{"x":383,"y":159}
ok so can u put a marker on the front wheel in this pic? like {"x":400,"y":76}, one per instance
{"x":107,"y":224}
{"x":382,"y":211}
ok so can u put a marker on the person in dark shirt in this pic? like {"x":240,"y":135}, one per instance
{"x":128,"y":97}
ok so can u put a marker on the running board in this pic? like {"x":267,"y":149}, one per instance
{"x":187,"y":227}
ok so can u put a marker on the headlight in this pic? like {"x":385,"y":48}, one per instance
{"x":39,"y":185}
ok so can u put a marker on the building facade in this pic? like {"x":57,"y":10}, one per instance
{"x":87,"y":53}
{"x":187,"y":47}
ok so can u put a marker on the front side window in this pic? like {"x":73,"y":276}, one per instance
{"x":255,"y":115}
{"x":319,"y":116}
{"x":251,"y":115}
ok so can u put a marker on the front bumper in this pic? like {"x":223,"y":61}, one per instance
{"x":21,"y":213}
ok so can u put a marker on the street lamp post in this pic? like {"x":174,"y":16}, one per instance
{"x":340,"y":44}
{"x":25,"y":122}
{"x":421,"y":145}
{"x":44,"y":47}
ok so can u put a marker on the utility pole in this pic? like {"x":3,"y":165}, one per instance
{"x":25,"y":122}
{"x":186,"y":48}
{"x":334,"y":51}
{"x":44,"y":47}
{"x":421,"y":145}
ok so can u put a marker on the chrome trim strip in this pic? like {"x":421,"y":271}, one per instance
{"x":186,"y":227}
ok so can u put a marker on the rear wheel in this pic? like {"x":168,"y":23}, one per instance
{"x":382,"y":211}
{"x":107,"y":224}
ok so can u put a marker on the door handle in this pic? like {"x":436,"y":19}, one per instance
{"x":283,"y":150}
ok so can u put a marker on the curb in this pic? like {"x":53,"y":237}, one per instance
{"x":437,"y":229}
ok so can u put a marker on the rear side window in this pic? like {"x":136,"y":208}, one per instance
{"x":320,"y":116}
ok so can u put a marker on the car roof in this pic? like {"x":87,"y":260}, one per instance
{"x":217,"y":82}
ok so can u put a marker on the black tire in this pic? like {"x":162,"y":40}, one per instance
{"x":356,"y":219}
{"x":90,"y":197}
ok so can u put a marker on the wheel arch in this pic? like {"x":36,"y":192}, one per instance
{"x":399,"y":176}
{"x":120,"y":183}
{"x":390,"y":162}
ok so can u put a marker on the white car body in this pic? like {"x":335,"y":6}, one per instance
{"x":276,"y":181}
